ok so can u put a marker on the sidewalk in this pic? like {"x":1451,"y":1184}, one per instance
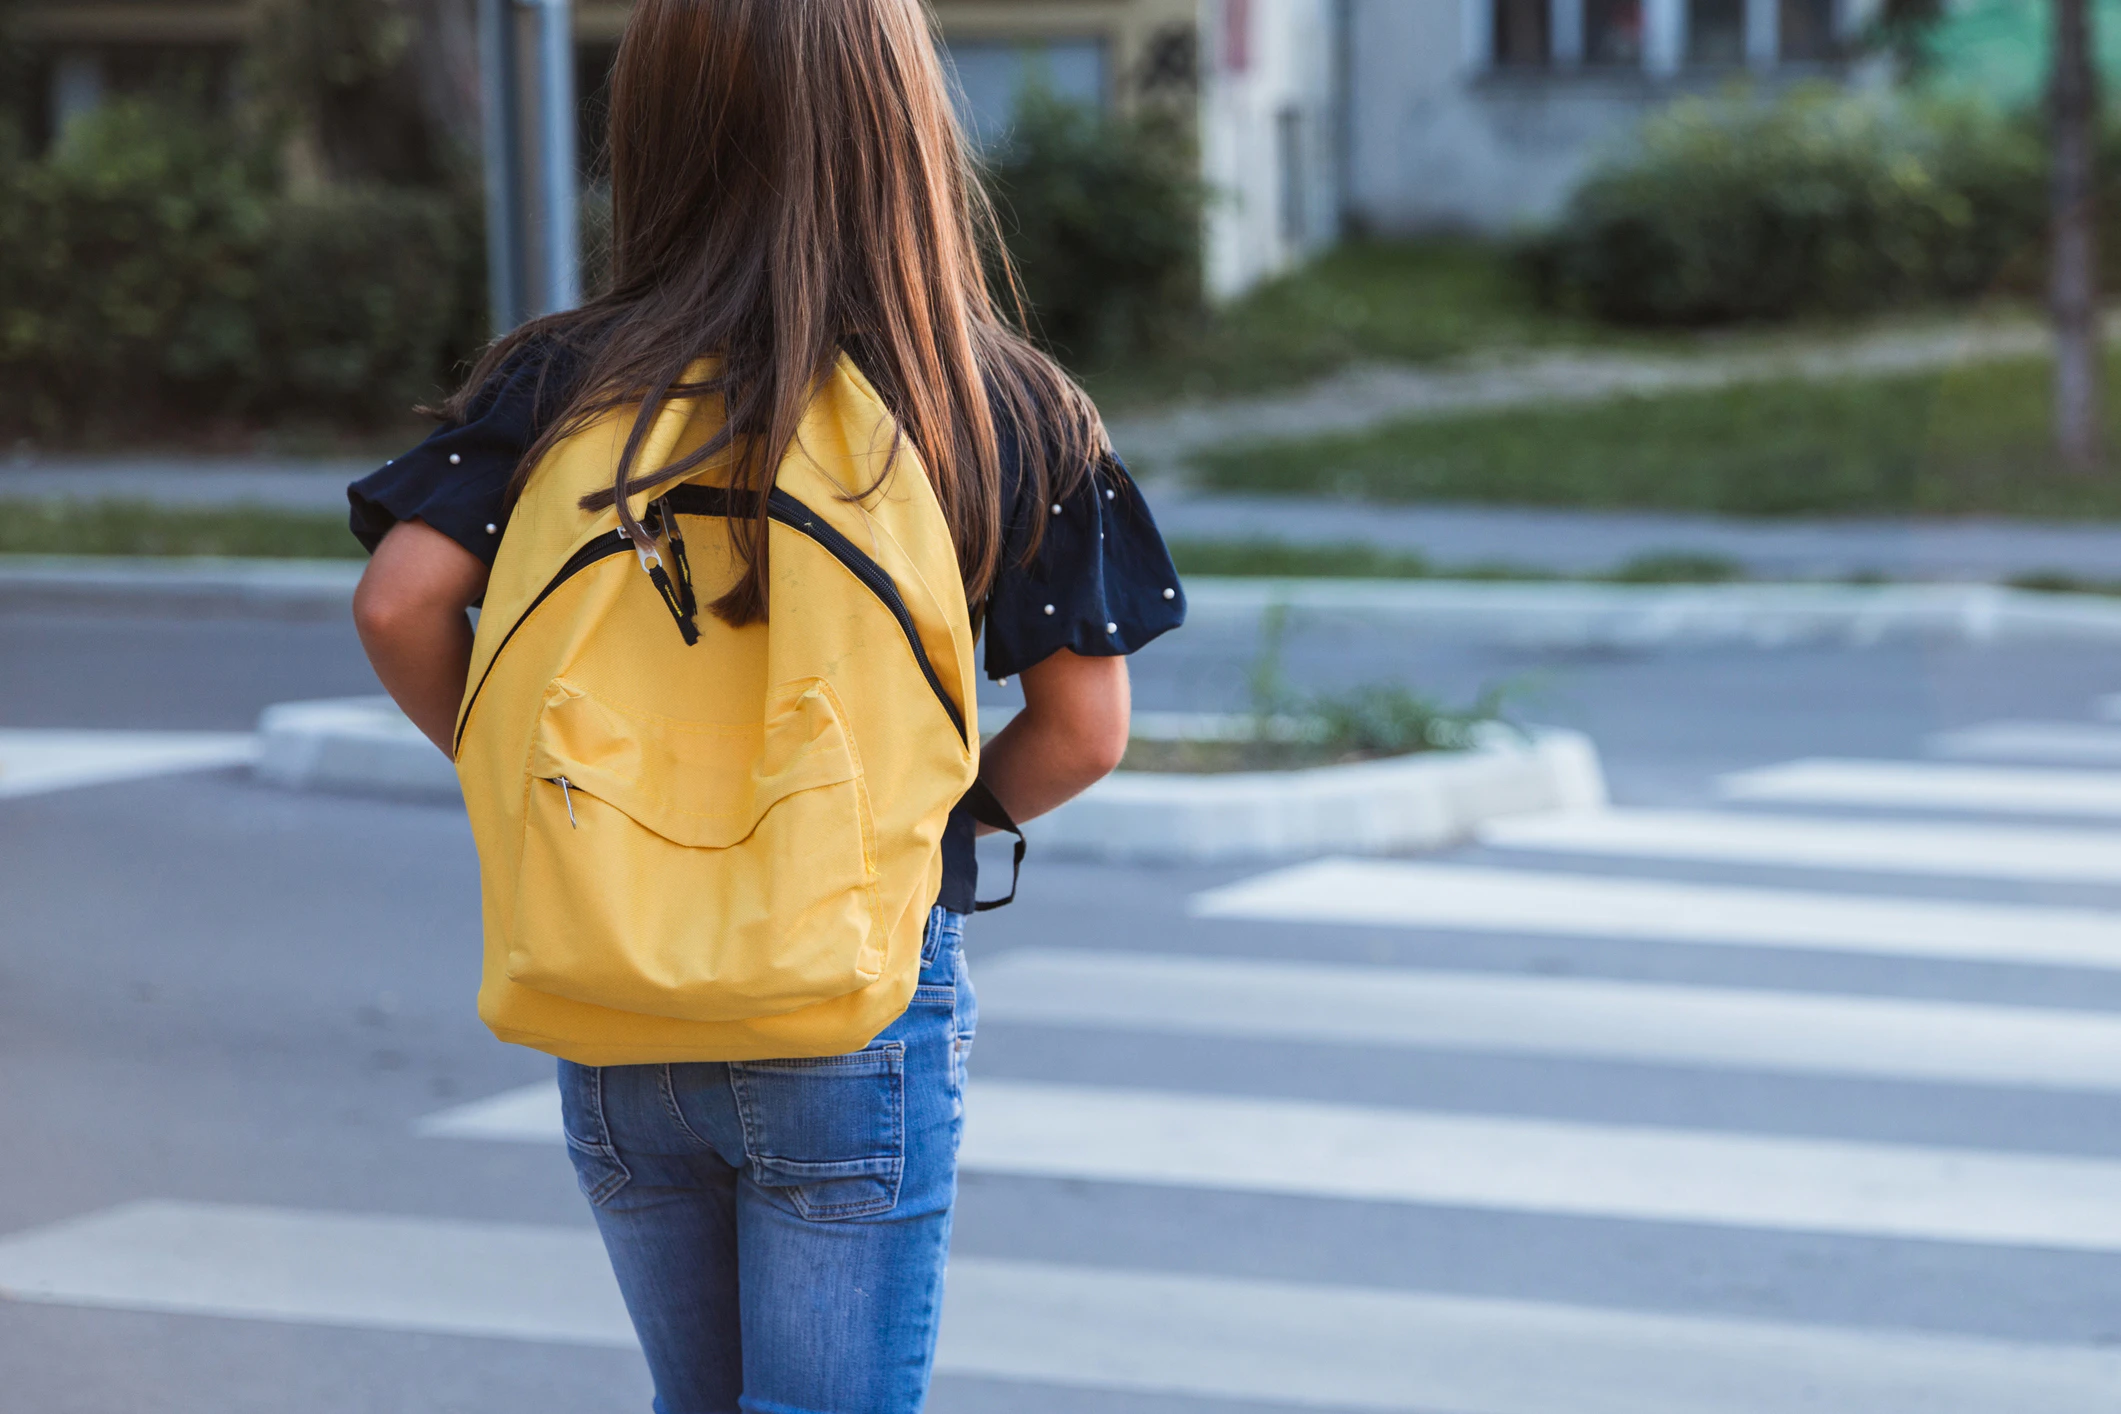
{"x":1528,"y":537}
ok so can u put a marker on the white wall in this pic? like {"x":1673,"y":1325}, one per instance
{"x":1268,"y":128}
{"x":1439,"y":140}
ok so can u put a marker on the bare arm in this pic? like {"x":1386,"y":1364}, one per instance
{"x":411,"y":612}
{"x":1070,"y":735}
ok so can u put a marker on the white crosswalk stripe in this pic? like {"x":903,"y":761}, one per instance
{"x":2063,"y":743}
{"x":1507,"y":1164}
{"x":1341,"y":1347}
{"x":1929,"y":785}
{"x":1551,"y":1016}
{"x":33,"y":762}
{"x":1403,"y":894}
{"x":1951,"y":849}
{"x":1723,"y":1028}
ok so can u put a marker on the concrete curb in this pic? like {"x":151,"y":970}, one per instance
{"x":363,"y":745}
{"x":1371,"y":807}
{"x":1645,"y":615}
{"x":1537,"y":614}
{"x":154,"y":584}
{"x":351,"y":745}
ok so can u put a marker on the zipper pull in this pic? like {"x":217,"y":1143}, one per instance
{"x":567,"y":794}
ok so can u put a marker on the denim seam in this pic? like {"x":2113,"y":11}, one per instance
{"x":600,"y":1147}
{"x":850,"y":1059}
{"x":676,"y":1111}
{"x":594,"y":1097}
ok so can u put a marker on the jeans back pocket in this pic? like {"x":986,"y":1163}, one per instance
{"x":597,"y":1165}
{"x":828,"y":1131}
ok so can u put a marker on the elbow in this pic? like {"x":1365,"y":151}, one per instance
{"x":384,"y":612}
{"x":377,"y":613}
{"x":1092,"y":748}
{"x":1102,"y":749}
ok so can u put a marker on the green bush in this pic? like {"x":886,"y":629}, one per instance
{"x":151,"y":273}
{"x":1819,"y":202}
{"x":364,"y":296}
{"x":1102,"y":215}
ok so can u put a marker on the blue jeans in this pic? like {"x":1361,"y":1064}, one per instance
{"x":779,"y":1228}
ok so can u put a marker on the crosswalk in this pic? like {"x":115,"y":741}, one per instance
{"x":1841,"y":859}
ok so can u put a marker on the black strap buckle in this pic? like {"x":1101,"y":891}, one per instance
{"x":988,"y":811}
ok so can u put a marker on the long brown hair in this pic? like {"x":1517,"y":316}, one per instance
{"x":789,"y":182}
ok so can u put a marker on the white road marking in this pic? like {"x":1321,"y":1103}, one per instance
{"x":1543,"y":1166}
{"x":1314,"y":1150}
{"x":1806,"y":1033}
{"x":2015,"y":852}
{"x":339,"y":1269}
{"x":2058,"y":742}
{"x":1925,"y":785}
{"x":1207,"y":1337}
{"x":530,"y":1114}
{"x":35,"y":761}
{"x":1398,"y":894}
{"x":2108,"y":707}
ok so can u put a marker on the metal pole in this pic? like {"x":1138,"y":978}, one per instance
{"x":499,"y":104}
{"x":559,"y":185}
{"x":533,"y":222}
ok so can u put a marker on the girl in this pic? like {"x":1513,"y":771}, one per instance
{"x":789,"y":186}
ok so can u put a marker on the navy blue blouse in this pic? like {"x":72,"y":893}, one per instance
{"x":1100,"y":583}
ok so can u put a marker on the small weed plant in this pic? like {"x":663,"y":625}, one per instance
{"x":1291,"y":729}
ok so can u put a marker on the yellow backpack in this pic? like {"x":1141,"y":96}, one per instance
{"x":699,"y":842}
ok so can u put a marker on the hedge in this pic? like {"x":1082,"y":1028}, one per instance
{"x":1102,"y":215}
{"x":1822,"y":201}
{"x":156,"y":277}
{"x":152,"y":273}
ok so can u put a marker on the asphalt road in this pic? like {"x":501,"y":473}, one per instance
{"x":1295,"y":1188}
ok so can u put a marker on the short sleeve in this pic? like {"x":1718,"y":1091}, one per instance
{"x":457,"y":480}
{"x":1101,"y":584}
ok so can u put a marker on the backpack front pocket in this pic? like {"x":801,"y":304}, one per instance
{"x":698,"y":870}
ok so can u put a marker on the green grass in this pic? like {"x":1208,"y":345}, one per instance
{"x":2063,"y":582}
{"x":137,"y":528}
{"x":1398,"y":302}
{"x":1971,"y":439}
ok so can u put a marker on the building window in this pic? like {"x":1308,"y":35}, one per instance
{"x":1807,"y":30}
{"x":1612,"y":32}
{"x":1715,"y":32}
{"x":1521,"y":37}
{"x":1289,"y":142}
{"x":989,"y":76}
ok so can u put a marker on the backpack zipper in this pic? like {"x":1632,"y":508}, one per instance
{"x":721,"y":501}
{"x":566,"y":793}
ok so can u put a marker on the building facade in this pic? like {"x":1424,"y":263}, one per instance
{"x":1484,"y":114}
{"x":1393,"y":116}
{"x":1262,"y":85}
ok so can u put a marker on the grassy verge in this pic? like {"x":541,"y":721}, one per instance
{"x":1971,"y":439}
{"x":136,"y":528}
{"x":1399,"y":302}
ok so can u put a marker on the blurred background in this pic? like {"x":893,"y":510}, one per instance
{"x":1613,"y":902}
